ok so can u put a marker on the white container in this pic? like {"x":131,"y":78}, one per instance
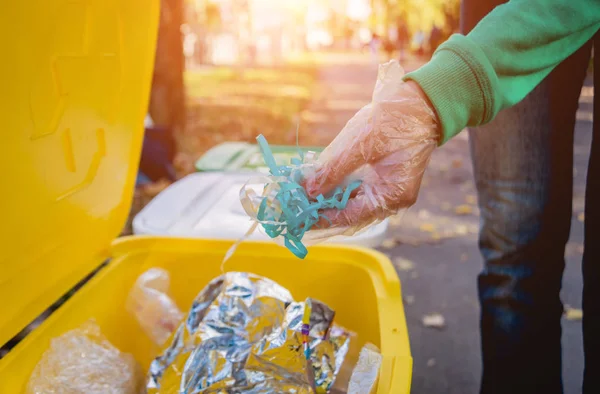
{"x":207,"y":205}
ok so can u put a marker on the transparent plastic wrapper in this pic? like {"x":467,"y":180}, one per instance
{"x":245,"y":334}
{"x":82,"y":361}
{"x":371,"y":170}
{"x":365,"y":373}
{"x":155,"y":311}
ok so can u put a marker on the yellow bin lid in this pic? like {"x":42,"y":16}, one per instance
{"x":76,"y":78}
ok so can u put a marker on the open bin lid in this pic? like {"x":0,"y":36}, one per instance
{"x":76,"y":79}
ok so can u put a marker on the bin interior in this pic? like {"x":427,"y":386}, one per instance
{"x":359,"y":284}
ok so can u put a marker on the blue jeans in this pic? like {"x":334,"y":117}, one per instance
{"x":523,"y":166}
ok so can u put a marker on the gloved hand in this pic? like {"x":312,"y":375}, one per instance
{"x":387,"y":145}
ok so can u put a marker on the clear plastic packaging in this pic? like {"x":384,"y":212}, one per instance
{"x":82,"y":361}
{"x":155,"y":311}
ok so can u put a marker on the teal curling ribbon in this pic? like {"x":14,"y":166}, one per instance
{"x":290,"y":212}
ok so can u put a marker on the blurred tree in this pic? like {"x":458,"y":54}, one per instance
{"x":423,"y":15}
{"x":167,"y":99}
{"x":212,"y":16}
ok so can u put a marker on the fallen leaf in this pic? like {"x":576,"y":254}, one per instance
{"x":427,"y":227}
{"x":573,"y":314}
{"x":581,"y":217}
{"x":444,"y":168}
{"x":436,"y":236}
{"x":434,"y":320}
{"x":464,"y":257}
{"x":409,"y":299}
{"x":388,"y":243}
{"x":404,"y":264}
{"x":431,"y":362}
{"x":463,"y":209}
{"x":471,"y":199}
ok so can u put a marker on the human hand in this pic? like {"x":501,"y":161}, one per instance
{"x":387,"y":145}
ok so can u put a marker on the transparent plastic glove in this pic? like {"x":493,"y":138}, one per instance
{"x":387,"y":145}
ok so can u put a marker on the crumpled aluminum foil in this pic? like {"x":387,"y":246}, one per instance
{"x":243,"y":334}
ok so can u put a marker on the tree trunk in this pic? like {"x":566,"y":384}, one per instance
{"x":167,"y":100}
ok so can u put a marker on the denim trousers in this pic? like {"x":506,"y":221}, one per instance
{"x":523,"y":168}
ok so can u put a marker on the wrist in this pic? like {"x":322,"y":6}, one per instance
{"x":416,"y":88}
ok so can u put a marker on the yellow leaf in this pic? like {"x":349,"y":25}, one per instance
{"x":389,"y":243}
{"x":581,"y":217}
{"x":463,"y":209}
{"x":471,"y":199}
{"x":403,"y":264}
{"x":427,"y":227}
{"x":573,"y":313}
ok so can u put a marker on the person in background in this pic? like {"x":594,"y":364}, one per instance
{"x":389,"y":48}
{"x":435,"y":36}
{"x":374,"y":47}
{"x":419,"y":39}
{"x":522,"y":65}
{"x":402,"y":37}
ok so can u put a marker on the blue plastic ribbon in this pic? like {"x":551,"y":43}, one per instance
{"x":291,"y":213}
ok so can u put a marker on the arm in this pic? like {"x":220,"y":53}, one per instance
{"x":503,"y":58}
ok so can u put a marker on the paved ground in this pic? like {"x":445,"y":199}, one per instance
{"x":436,"y":253}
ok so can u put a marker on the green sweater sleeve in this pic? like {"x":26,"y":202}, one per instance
{"x":471,"y":78}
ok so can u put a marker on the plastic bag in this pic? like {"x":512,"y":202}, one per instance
{"x":82,"y":361}
{"x":155,"y":311}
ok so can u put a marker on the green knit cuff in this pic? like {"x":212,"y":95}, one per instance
{"x":457,"y":82}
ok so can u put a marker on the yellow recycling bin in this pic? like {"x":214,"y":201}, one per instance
{"x":76,"y":78}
